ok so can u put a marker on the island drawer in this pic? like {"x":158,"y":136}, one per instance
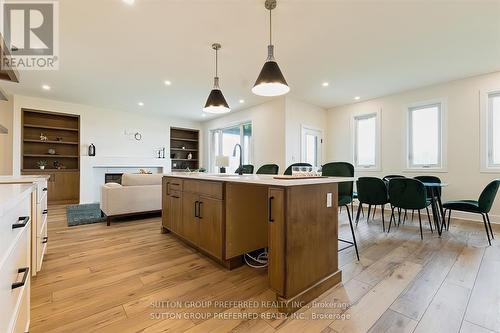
{"x":174,"y":184}
{"x":13,"y":223}
{"x":202,"y":187}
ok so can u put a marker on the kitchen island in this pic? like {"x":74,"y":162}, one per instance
{"x":225,"y":216}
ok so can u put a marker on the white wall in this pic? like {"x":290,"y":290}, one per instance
{"x":104,"y":128}
{"x":297,"y":115}
{"x":6,"y":139}
{"x":463,"y":135}
{"x":268,"y":127}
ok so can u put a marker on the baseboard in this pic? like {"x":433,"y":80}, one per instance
{"x":495,"y":219}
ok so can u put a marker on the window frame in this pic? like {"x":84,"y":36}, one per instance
{"x":304,"y":129}
{"x":378,"y":141}
{"x":486,"y":145}
{"x":441,"y":166}
{"x":212,"y":155}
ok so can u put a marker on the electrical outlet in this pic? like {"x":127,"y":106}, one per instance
{"x":328,"y":200}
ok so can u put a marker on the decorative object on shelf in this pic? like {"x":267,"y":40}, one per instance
{"x":42,"y":164}
{"x":270,"y":81}
{"x":161,"y":152}
{"x":138,"y":136}
{"x":58,"y":165}
{"x":174,"y":165}
{"x":216,"y":103}
{"x":43,"y":137}
{"x":183,"y":147}
{"x":190,"y":156}
{"x":145,"y":172}
{"x":222,"y":162}
{"x":91,"y":150}
{"x":172,"y":155}
{"x":51,"y":151}
{"x":59,"y":139}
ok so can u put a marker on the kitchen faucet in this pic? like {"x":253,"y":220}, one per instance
{"x":240,"y":168}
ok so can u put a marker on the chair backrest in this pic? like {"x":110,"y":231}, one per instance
{"x":288,"y":170}
{"x":372,"y":191}
{"x":407,"y":193}
{"x":340,"y":169}
{"x":247,"y":169}
{"x":389,"y":177}
{"x":488,"y":195}
{"x":268,"y":169}
{"x":430,"y":179}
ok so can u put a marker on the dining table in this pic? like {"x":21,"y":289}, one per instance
{"x":436,"y":204}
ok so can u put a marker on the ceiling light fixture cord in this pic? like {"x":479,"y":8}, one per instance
{"x":270,"y":28}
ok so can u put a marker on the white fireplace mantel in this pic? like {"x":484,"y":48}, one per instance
{"x":93,"y":168}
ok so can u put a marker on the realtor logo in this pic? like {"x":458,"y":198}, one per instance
{"x":31,"y":32}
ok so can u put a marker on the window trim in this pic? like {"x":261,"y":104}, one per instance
{"x":211,"y":156}
{"x":442,"y":126}
{"x":378,"y":141}
{"x":486,"y":131}
{"x":303,"y":130}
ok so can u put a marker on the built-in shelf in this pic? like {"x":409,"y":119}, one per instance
{"x":188,"y":140}
{"x":184,"y":139}
{"x":51,"y":141}
{"x":50,"y":155}
{"x":52,"y":127}
{"x":49,"y":170}
{"x":184,"y":159}
{"x":180,"y":149}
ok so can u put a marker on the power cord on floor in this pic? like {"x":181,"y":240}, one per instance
{"x":256,"y":259}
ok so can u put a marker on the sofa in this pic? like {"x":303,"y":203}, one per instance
{"x":138,"y":193}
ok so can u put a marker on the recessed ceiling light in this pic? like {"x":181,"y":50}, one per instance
{"x":203,"y":115}
{"x":129,"y":2}
{"x":140,"y":104}
{"x":325,"y":84}
{"x":357,"y":98}
{"x":242,"y":101}
{"x":45,"y":87}
{"x":168,"y":83}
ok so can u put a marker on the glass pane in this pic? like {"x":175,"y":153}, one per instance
{"x":311,"y":149}
{"x":247,"y":135}
{"x":366,"y":141}
{"x":230,"y":137}
{"x":425,"y":135}
{"x":495,"y":128}
{"x":215,"y":149}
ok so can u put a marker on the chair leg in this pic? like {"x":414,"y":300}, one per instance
{"x":412,"y":214}
{"x":404,"y":217}
{"x":429,"y":217}
{"x":449,"y":217}
{"x":352,"y":208}
{"x":340,"y":209}
{"x":486,"y":228}
{"x":357,"y":214}
{"x":368,"y":216}
{"x":362,"y":211}
{"x":420,"y":222}
{"x":390,"y":221}
{"x":383,"y":219}
{"x":399,"y":216}
{"x":374,"y":210}
{"x":352,"y":231}
{"x":489,"y":224}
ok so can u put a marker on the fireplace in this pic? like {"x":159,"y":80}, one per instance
{"x":113,"y":178}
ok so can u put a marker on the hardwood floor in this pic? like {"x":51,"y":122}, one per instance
{"x":131,"y":278}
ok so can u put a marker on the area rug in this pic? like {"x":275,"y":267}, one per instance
{"x":84,"y":214}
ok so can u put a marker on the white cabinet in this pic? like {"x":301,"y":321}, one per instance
{"x":16,"y":201}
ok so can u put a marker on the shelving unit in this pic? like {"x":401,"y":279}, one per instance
{"x":63,"y":136}
{"x":183,"y":142}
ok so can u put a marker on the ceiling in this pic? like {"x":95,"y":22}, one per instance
{"x":114,"y":55}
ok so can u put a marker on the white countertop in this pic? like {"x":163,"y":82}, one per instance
{"x":11,"y":194}
{"x":22,"y":179}
{"x":258,"y":179}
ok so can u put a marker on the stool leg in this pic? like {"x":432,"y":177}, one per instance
{"x":420,"y":222}
{"x":486,"y":228}
{"x":352,"y":231}
{"x":489,"y":224}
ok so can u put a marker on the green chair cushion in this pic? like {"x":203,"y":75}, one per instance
{"x":344,"y":200}
{"x":463,"y":205}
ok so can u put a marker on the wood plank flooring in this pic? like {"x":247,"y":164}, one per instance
{"x":131,"y":278}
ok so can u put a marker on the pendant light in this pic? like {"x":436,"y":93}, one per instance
{"x":216,"y":103}
{"x":270,"y":81}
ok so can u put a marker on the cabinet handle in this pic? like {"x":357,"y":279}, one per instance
{"x":196,"y":208}
{"x":199,"y":209}
{"x":44,"y":189}
{"x":271,"y":209}
{"x":45,"y":240}
{"x":23,"y":220}
{"x":45,"y":211}
{"x":24,"y":270}
{"x":174,"y":196}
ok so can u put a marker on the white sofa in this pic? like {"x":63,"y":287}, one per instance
{"x":138,"y":193}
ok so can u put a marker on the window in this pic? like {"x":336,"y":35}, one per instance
{"x":366,"y":141}
{"x":425,"y":136}
{"x":223,"y":141}
{"x":311,"y":146}
{"x":494,"y":130}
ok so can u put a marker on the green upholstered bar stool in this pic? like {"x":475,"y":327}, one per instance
{"x":345,"y":190}
{"x":288,"y":171}
{"x":247,"y":169}
{"x":408,"y":193}
{"x":481,"y":206}
{"x":268,"y":169}
{"x":373,"y":192}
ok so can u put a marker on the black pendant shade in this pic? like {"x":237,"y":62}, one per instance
{"x":216,"y":103}
{"x":270,"y":81}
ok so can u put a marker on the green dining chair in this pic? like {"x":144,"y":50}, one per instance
{"x":408,"y":193}
{"x":372,"y":191}
{"x":247,"y":169}
{"x":386,"y":180}
{"x":430,"y":179}
{"x":268,"y":169}
{"x":345,"y":191}
{"x":481,"y":206}
{"x":288,"y":171}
